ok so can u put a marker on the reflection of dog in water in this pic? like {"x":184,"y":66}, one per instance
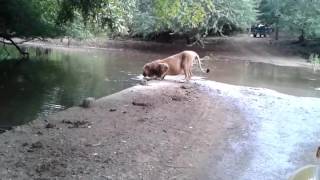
{"x":180,"y":63}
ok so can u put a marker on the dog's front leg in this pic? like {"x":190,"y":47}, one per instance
{"x":163,"y":75}
{"x":163,"y":70}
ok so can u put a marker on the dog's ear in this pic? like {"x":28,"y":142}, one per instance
{"x":146,"y":67}
{"x":146,"y":70}
{"x":162,"y":68}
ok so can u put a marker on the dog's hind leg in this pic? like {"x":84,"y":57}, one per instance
{"x":185,"y":73}
{"x":190,"y":73}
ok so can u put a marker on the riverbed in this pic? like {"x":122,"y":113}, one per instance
{"x":56,"y":78}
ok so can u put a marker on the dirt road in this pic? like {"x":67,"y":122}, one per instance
{"x":244,"y":47}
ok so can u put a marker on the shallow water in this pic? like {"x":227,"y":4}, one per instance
{"x":289,"y":80}
{"x":55,"y":79}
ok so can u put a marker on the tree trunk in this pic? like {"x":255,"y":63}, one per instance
{"x":69,"y":41}
{"x":302,"y":37}
{"x":277,"y":32}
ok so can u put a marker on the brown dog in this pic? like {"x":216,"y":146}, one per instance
{"x":173,"y":65}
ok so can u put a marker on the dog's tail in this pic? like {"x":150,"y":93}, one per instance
{"x":199,"y":61}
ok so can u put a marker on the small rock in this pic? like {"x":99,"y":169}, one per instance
{"x":142,"y":120}
{"x":77,"y":124}
{"x":20,"y":129}
{"x":183,"y":87}
{"x":93,"y":145}
{"x":176,"y":98}
{"x":39,"y":133}
{"x":50,"y":125}
{"x":20,"y":164}
{"x":88,"y":102}
{"x":25,"y":144}
{"x":140,"y":104}
{"x":36,"y":145}
{"x":124,"y":112}
{"x":108,"y":161}
{"x":112,"y":110}
{"x":165,"y":131}
{"x":143,"y":82}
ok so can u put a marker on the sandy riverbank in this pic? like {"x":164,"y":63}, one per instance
{"x":169,"y":130}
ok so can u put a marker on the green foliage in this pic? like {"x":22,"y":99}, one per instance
{"x":296,"y":17}
{"x":23,"y":18}
{"x":97,"y":15}
{"x":82,"y":19}
{"x":192,"y":16}
{"x":239,"y":13}
{"x":302,"y":16}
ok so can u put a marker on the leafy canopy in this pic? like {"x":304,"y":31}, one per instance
{"x":298,"y":16}
{"x":31,"y":18}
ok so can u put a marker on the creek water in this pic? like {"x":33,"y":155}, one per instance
{"x":58,"y":78}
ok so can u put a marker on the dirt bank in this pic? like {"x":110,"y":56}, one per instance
{"x":235,"y":48}
{"x":168,"y":130}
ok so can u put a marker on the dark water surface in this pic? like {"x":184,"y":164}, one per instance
{"x":55,"y":79}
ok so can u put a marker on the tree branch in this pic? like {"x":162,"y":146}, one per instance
{"x":23,"y":53}
{"x":31,"y":39}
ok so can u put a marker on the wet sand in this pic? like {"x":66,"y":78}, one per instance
{"x":169,"y":130}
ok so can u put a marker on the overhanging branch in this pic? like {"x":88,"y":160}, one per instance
{"x":8,"y":38}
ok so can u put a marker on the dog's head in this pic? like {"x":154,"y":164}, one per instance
{"x":154,"y":69}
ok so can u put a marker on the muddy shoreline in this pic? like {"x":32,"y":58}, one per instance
{"x":236,"y":48}
{"x":144,"y":132}
{"x":168,"y":130}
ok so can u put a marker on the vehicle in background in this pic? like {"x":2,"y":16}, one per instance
{"x":260,"y":30}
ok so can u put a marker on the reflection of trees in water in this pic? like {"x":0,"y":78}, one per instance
{"x":290,"y":80}
{"x":27,"y":87}
{"x":267,"y":73}
{"x":37,"y":87}
{"x":41,"y":52}
{"x":43,"y":85}
{"x":37,"y":52}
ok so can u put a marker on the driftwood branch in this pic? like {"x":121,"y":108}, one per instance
{"x":8,"y":38}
